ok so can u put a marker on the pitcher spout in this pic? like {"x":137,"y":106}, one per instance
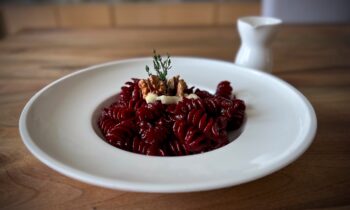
{"x":258,"y":22}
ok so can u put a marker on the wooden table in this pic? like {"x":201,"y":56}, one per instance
{"x":315,"y":59}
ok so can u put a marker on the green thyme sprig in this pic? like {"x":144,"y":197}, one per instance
{"x":161,"y":67}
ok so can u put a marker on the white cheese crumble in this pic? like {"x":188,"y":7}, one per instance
{"x":151,"y":98}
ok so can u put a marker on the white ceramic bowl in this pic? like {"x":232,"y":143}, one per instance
{"x":57,"y":126}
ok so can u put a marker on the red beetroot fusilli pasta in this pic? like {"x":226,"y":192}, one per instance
{"x":190,"y":126}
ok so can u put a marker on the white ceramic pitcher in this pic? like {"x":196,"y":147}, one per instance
{"x":256,"y":35}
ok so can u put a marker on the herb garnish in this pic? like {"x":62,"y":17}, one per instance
{"x":160,"y":66}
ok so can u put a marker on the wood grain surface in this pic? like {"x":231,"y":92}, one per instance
{"x":98,"y":15}
{"x":315,"y":59}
